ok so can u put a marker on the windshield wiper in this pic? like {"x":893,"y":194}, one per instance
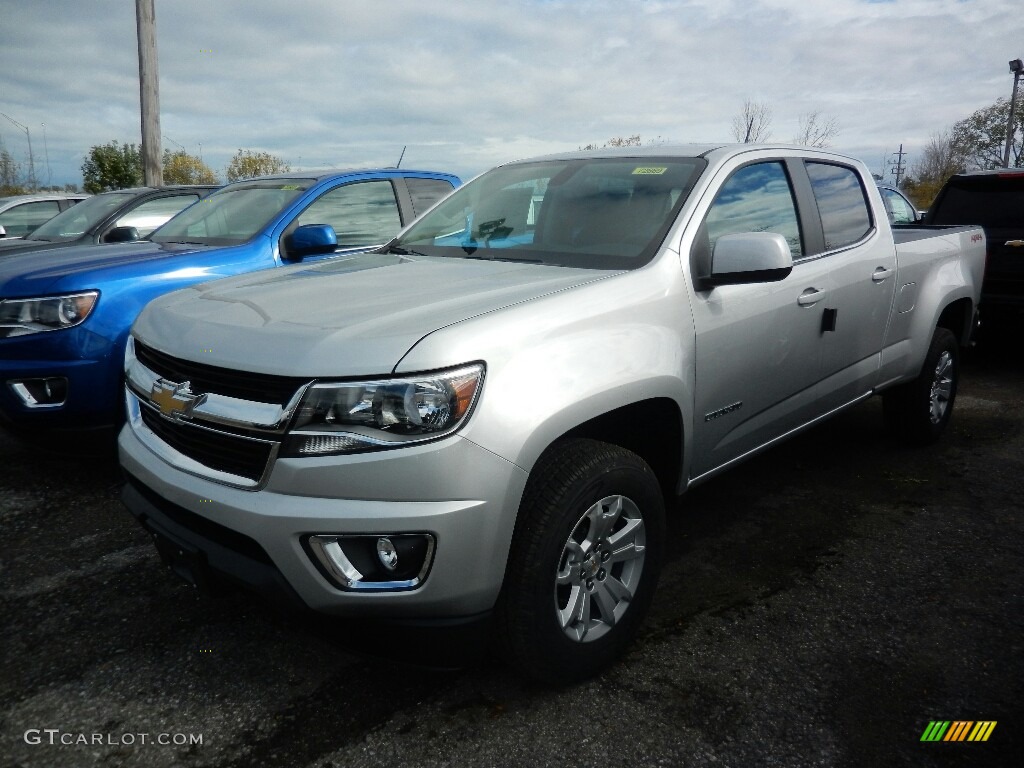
{"x":401,"y":250}
{"x":503,"y":258}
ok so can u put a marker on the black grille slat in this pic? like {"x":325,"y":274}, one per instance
{"x":215,"y":532}
{"x":217,"y":450}
{"x":256,"y":387}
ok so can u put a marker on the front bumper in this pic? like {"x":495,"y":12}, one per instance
{"x":465,"y":497}
{"x":90,"y":365}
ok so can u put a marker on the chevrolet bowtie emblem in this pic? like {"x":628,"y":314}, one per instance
{"x":174,"y":400}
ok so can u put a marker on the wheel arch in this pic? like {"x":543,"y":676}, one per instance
{"x":652,"y":429}
{"x":958,"y":318}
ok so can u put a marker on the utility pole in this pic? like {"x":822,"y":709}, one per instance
{"x":149,"y":93}
{"x":899,"y":166}
{"x":46,"y":152}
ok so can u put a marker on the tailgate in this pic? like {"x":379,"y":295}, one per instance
{"x":1004,"y":272}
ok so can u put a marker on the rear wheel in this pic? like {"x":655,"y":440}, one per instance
{"x":918,"y":411}
{"x":584,"y":561}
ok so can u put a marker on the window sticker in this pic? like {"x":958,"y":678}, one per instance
{"x":649,"y":171}
{"x":290,"y":187}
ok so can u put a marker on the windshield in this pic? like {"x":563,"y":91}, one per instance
{"x":232,"y":215}
{"x":80,"y":218}
{"x":594,"y":213}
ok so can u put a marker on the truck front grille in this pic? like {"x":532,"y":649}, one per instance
{"x":256,"y":387}
{"x":222,"y":451}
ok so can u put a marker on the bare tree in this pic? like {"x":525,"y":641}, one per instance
{"x":617,"y":141}
{"x":754,"y":123}
{"x":10,"y":173}
{"x":941,"y":157}
{"x":816,"y":130}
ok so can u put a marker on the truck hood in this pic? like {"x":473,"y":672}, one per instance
{"x":355,"y":316}
{"x":39,"y":273}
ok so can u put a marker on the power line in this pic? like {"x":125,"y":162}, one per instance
{"x":898,"y":167}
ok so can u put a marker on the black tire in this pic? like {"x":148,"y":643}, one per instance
{"x":575,"y":482}
{"x":917,"y":412}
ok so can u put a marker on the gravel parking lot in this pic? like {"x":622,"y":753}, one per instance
{"x":819,"y":607}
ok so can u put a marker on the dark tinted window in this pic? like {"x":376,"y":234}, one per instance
{"x":841,"y":202}
{"x":365,"y":213}
{"x":426,"y":192}
{"x":990,"y":201}
{"x":757,"y":198}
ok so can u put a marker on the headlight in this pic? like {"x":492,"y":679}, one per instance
{"x":350,"y":417}
{"x":20,"y":317}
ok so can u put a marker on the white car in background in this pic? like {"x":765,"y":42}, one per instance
{"x":20,"y":214}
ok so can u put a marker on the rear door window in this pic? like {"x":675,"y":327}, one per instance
{"x":842,"y":203}
{"x":426,"y":192}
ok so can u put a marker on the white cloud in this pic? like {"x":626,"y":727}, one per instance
{"x":470,"y":83}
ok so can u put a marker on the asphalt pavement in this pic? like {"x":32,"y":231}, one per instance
{"x":821,"y":605}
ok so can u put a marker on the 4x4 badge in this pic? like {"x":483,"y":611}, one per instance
{"x":174,"y":400}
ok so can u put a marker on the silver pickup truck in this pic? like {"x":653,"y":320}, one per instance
{"x":485,"y":416}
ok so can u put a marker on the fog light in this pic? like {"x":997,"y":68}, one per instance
{"x":391,"y":562}
{"x":387,"y":554}
{"x":40,"y":393}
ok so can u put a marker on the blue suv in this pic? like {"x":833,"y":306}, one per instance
{"x":65,"y":313}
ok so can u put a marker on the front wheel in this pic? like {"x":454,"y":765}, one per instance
{"x":917,"y":412}
{"x":584,"y":561}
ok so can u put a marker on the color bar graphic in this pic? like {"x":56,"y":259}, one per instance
{"x":958,"y":730}
{"x":935,"y":731}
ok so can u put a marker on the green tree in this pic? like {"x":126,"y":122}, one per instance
{"x":982,"y":136}
{"x":246,"y":164}
{"x":112,"y":166}
{"x":182,"y":168}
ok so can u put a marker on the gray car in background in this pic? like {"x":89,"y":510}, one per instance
{"x":20,"y":214}
{"x":110,"y":217}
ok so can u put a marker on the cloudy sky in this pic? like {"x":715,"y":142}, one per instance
{"x":467,"y":84}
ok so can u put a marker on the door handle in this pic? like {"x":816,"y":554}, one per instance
{"x":810,"y":297}
{"x":880,"y":274}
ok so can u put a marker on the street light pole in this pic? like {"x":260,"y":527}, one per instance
{"x":1016,"y":66}
{"x":31,"y":161}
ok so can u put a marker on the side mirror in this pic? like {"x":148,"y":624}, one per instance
{"x":749,"y":257}
{"x":3,"y":232}
{"x":121,"y":235}
{"x":310,"y":239}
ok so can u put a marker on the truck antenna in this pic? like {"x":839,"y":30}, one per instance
{"x":400,"y":158}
